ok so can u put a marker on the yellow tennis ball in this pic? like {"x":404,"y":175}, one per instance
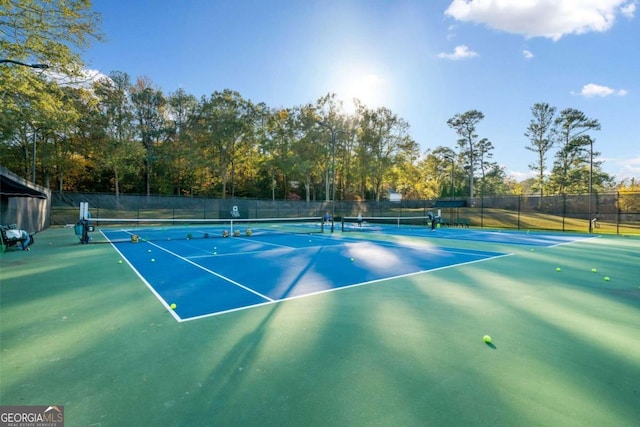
{"x":558,"y":269}
{"x":119,"y":261}
{"x":153,"y":260}
{"x":173,"y":306}
{"x":606,"y":279}
{"x":351,"y":259}
{"x":486,"y":339}
{"x":593,"y":270}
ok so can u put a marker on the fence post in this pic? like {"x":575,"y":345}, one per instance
{"x":564,"y":209}
{"x":519,"y":208}
{"x":618,"y":213}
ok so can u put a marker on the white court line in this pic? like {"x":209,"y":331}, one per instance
{"x":574,"y":241}
{"x":281,"y":249}
{"x":211,"y":272}
{"x":341,"y":288}
{"x":151,"y":288}
{"x":425,"y":248}
{"x":419,"y":246}
{"x":265,"y":243}
{"x":347,"y":241}
{"x":195,"y":265}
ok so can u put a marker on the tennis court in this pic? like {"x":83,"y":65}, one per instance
{"x":284,"y":329}
{"x":419,"y":226}
{"x":206,"y":276}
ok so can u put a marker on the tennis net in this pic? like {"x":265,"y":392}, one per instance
{"x":121,"y":230}
{"x":384,"y":223}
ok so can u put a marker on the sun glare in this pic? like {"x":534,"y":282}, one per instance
{"x":368,"y":87}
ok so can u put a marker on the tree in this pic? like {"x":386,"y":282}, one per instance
{"x":225,"y":130}
{"x":66,"y":139}
{"x":51,"y":32}
{"x":180,"y":153}
{"x":435,"y":173}
{"x":571,"y":128}
{"x":383,"y":142}
{"x":465,"y":126}
{"x":149,"y":109}
{"x":118,"y":151}
{"x":629,"y":197}
{"x":541,"y":138}
{"x":328,"y":111}
{"x":307,"y":150}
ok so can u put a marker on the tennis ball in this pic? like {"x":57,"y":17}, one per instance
{"x":533,"y":250}
{"x":606,"y":279}
{"x":593,"y":270}
{"x":149,"y":251}
{"x":119,"y":261}
{"x":153,"y":260}
{"x":558,"y":269}
{"x":351,"y":259}
{"x":486,"y":339}
{"x":173,"y":306}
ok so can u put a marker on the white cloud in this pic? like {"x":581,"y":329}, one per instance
{"x":527,"y":54}
{"x":460,"y":52}
{"x":520,"y":176}
{"x":85,"y":80}
{"x":628,"y":10}
{"x":542,"y":18}
{"x":590,"y":90}
{"x":629,"y":168}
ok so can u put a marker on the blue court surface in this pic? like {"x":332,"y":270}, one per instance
{"x":205,"y":277}
{"x":512,"y":237}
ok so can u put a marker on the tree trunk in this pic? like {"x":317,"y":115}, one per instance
{"x":116,"y":182}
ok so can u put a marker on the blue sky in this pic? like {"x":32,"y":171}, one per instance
{"x":425,"y":60}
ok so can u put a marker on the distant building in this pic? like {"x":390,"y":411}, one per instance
{"x":395,"y":197}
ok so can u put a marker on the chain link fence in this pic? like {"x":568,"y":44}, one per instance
{"x":611,"y":213}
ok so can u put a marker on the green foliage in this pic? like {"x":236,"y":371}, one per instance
{"x":465,"y":126}
{"x":628,"y":200}
{"x":540,"y":133}
{"x":574,"y":159}
{"x":39,"y":119}
{"x":129,"y":136}
{"x":52,"y":32}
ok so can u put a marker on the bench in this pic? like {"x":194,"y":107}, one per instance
{"x":462,"y":222}
{"x":12,"y":236}
{"x":459,"y":222}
